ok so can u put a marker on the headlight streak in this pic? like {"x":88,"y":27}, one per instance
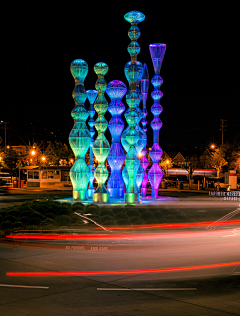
{"x":84,"y":273}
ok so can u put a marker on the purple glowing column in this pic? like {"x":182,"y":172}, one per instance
{"x":116,"y":90}
{"x":91,"y":95}
{"x":144,"y":161}
{"x":155,"y":174}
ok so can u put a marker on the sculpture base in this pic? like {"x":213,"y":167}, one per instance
{"x":101,"y":198}
{"x":116,"y":193}
{"x":144,"y":192}
{"x":90,"y":193}
{"x":154,"y":193}
{"x":79,"y":195}
{"x":132,"y":198}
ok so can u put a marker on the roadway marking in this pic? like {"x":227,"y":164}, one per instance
{"x":148,"y":289}
{"x":25,"y":286}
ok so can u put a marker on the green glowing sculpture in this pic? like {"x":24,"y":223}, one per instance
{"x":101,"y":147}
{"x":79,"y":137}
{"x":133,"y":99}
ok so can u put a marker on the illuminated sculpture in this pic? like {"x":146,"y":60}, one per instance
{"x":79,"y":137}
{"x":133,"y":99}
{"x":101,"y":146}
{"x":91,"y":95}
{"x":116,"y":90}
{"x":155,"y":173}
{"x":144,"y":161}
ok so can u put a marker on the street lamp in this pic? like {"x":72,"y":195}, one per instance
{"x":212,"y":146}
{"x":167,"y":162}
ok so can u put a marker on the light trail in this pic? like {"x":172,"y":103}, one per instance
{"x":25,"y":286}
{"x":207,"y":266}
{"x":131,"y":236}
{"x":147,"y":289}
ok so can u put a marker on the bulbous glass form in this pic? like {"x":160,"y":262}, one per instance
{"x":139,"y":177}
{"x":80,"y":175}
{"x":157,"y":81}
{"x":155,"y":175}
{"x":157,"y":52}
{"x":116,"y":90}
{"x":139,"y":73}
{"x":134,"y":33}
{"x":133,"y":98}
{"x":101,"y":146}
{"x":133,"y":48}
{"x":80,"y":137}
{"x":134,"y":17}
{"x":101,"y":69}
{"x":79,"y":69}
{"x":91,"y":95}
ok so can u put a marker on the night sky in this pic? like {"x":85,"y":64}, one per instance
{"x":200,"y":68}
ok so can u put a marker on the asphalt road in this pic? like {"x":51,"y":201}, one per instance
{"x":204,"y":289}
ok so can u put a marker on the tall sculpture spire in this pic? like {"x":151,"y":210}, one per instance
{"x":91,"y":95}
{"x":155,"y":174}
{"x":101,"y":146}
{"x":116,"y":90}
{"x":144,"y":161}
{"x":133,"y":99}
{"x":79,"y":137}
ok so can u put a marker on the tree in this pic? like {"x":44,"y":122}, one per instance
{"x":11,"y":160}
{"x":56,"y":152}
{"x":217,"y":159}
{"x":165,"y":162}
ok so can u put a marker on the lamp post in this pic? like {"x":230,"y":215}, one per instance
{"x":167,"y":166}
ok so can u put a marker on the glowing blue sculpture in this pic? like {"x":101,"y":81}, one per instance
{"x":155,"y":174}
{"x":116,"y":90}
{"x":91,"y":95}
{"x":79,"y":137}
{"x":144,"y":161}
{"x":133,"y":116}
{"x":101,"y":146}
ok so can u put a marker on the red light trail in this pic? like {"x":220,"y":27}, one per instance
{"x":164,"y":226}
{"x":207,"y":266}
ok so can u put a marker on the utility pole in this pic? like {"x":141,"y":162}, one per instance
{"x":223,"y":127}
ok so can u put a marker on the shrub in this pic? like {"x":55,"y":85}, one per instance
{"x":119,"y":210}
{"x":32,"y":227}
{"x":24,"y":220}
{"x":17,"y":225}
{"x":147,"y":216}
{"x":133,"y":212}
{"x":107,"y":220}
{"x":92,"y":209}
{"x":33,"y":220}
{"x":78,"y":207}
{"x":49,"y":215}
{"x":14,"y":213}
{"x":123,"y":221}
{"x":62,"y":220}
{"x":10,"y":218}
{"x":106,"y":211}
{"x":121,"y":216}
{"x":3,"y":213}
{"x":136,"y":220}
{"x":6,"y":225}
{"x":26,"y":213}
